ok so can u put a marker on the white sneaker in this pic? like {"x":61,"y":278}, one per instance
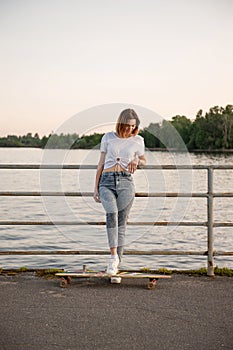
{"x":116,"y":280}
{"x":113,"y":266}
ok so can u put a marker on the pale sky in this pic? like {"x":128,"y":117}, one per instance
{"x":61,"y":57}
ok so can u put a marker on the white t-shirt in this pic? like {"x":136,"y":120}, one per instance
{"x":121,"y":150}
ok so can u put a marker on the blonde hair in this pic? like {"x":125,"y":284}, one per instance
{"x":123,"y":122}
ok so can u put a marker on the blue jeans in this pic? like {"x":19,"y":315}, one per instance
{"x":116,"y":190}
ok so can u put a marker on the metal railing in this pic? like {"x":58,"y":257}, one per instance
{"x":210,"y":224}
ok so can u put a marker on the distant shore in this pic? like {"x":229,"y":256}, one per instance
{"x":151,"y":149}
{"x":191,"y":150}
{"x":209,"y":133}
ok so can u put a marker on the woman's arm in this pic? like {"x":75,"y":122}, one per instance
{"x":98,"y":175}
{"x":141,"y":161}
{"x":136,"y":163}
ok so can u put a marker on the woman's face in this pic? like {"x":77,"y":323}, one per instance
{"x":130,"y":126}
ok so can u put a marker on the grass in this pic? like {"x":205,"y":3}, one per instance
{"x":50,"y":273}
{"x":224,"y":271}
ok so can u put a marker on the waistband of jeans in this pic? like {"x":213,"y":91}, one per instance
{"x":117,"y":173}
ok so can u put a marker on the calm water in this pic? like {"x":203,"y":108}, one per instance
{"x":84,"y":209}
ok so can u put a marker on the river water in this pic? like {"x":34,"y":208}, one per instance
{"x":84,"y":209}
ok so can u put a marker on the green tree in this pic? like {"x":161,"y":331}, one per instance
{"x":170,"y":138}
{"x":227,"y":120}
{"x":88,"y":141}
{"x":214,"y":130}
{"x":151,"y":135}
{"x":183,"y":127}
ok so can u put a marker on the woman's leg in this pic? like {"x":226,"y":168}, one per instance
{"x":126,"y":193}
{"x":122,"y":222}
{"x":112,"y":232}
{"x":108,"y":200}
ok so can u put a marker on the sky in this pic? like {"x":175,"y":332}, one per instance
{"x":62,"y":58}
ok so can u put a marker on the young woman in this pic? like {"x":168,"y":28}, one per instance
{"x":121,"y":153}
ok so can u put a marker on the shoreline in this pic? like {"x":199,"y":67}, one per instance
{"x":207,"y":151}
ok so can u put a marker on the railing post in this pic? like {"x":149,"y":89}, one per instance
{"x":210,"y":215}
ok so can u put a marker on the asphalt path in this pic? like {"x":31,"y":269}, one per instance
{"x":184,"y":312}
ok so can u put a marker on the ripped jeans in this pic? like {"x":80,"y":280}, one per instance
{"x":116,"y":190}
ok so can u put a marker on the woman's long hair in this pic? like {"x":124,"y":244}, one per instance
{"x":123,"y":122}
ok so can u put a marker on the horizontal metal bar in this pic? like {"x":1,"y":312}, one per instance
{"x":223,"y":194}
{"x":171,"y":194}
{"x":83,"y":166}
{"x":100,"y":223}
{"x":223,"y":224}
{"x":101,"y":252}
{"x":90,"y":194}
{"x":45,"y":194}
{"x":223,"y":253}
{"x":47,"y":166}
{"x":106,"y":252}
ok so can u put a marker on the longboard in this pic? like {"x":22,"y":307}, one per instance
{"x":66,"y":277}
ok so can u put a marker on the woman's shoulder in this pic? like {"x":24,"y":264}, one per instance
{"x":109,"y":135}
{"x":139,"y":138}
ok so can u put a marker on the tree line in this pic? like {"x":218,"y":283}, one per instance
{"x":210,"y":131}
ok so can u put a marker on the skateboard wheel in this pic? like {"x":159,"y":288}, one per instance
{"x":63,"y":283}
{"x":151,"y":285}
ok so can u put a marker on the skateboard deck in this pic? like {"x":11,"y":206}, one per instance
{"x":66,"y":277}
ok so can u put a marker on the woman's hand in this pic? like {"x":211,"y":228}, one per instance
{"x":132,"y":166}
{"x":137,"y":162}
{"x":96,"y":196}
{"x":98,"y":176}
